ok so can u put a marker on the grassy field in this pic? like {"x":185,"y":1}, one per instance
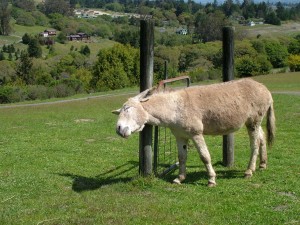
{"x":63,"y":164}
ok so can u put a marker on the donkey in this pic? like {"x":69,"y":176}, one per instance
{"x":193,"y":112}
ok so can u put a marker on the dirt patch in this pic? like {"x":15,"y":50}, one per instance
{"x":84,"y":120}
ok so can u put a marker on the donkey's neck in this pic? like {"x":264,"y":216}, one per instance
{"x":162,"y":109}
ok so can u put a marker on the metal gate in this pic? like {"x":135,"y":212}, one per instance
{"x":165,"y":148}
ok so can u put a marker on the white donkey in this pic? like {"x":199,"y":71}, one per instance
{"x":192,"y":112}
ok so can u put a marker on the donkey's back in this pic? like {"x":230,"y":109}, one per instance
{"x":224,"y":108}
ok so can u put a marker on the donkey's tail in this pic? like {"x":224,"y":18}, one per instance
{"x":271,"y":127}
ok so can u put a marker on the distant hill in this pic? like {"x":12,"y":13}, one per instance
{"x":255,"y":1}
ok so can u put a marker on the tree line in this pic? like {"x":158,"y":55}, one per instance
{"x":36,"y":71}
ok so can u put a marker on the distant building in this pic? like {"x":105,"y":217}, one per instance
{"x":251,"y":24}
{"x":182,"y":31}
{"x":48,"y":33}
{"x":78,"y":37}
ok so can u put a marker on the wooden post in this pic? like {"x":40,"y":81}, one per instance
{"x":228,"y":74}
{"x":146,"y":80}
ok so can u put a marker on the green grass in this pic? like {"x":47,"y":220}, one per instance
{"x":63,"y":164}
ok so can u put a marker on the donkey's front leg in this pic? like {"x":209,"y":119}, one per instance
{"x":205,"y":157}
{"x":182,"y":156}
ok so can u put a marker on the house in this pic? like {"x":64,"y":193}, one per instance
{"x":251,"y":24}
{"x":181,"y":31}
{"x":48,"y":33}
{"x":78,"y":37}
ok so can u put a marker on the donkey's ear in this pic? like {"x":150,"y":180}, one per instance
{"x":144,"y":100}
{"x":117,"y":112}
{"x":142,"y":95}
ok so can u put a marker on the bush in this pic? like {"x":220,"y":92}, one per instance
{"x":198,"y":74}
{"x":25,"y":19}
{"x":294,"y":62}
{"x":277,"y":53}
{"x":246,"y":66}
{"x":10,"y":94}
{"x":37,"y":92}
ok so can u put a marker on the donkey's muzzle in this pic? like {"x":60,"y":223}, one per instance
{"x":123,"y":131}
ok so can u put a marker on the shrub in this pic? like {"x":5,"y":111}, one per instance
{"x":37,"y":92}
{"x":116,"y":67}
{"x":10,"y":94}
{"x":246,"y":67}
{"x":198,"y":74}
{"x":277,"y":53}
{"x":294,"y":62}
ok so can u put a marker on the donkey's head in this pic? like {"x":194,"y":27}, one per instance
{"x":132,"y":116}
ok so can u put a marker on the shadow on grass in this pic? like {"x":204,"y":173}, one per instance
{"x":201,"y":177}
{"x":82,"y":183}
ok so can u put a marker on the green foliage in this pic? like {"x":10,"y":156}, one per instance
{"x":34,"y":48}
{"x":209,"y":26}
{"x":40,"y":18}
{"x":28,"y":5}
{"x":294,"y":62}
{"x":84,"y":76}
{"x":61,"y":38}
{"x":85,"y":50}
{"x":171,"y":56}
{"x":26,"y":39}
{"x":294,"y":46}
{"x":25,"y":18}
{"x":276,"y":52}
{"x":57,"y":6}
{"x":116,"y":68}
{"x":246,"y":66}
{"x":23,"y":69}
{"x":7,"y":72}
{"x":128,"y":36}
{"x":5,"y":16}
{"x":272,"y":18}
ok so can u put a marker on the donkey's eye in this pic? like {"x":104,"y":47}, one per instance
{"x":126,"y":108}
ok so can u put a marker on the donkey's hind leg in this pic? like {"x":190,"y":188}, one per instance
{"x":254,"y":136}
{"x":262,"y":149}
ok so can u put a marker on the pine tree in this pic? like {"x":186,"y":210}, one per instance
{"x":34,"y":48}
{"x":23,"y":69}
{"x":5,"y":14}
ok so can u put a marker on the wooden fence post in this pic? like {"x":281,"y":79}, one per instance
{"x":228,"y":74}
{"x":146,"y":80}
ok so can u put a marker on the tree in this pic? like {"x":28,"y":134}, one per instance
{"x":34,"y":48}
{"x":209,"y":26}
{"x":5,"y":15}
{"x":85,"y":50}
{"x":26,"y":39}
{"x":2,"y":57}
{"x":277,"y":53}
{"x":57,"y":6}
{"x":281,"y":12}
{"x":23,"y":69}
{"x":271,"y":18}
{"x":116,"y":67}
{"x":27,"y":5}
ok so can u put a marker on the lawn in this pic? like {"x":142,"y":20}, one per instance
{"x":63,"y":164}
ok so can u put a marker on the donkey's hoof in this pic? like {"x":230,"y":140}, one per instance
{"x":247,"y":175}
{"x":176,"y":181}
{"x":211,"y":184}
{"x":263,"y":166}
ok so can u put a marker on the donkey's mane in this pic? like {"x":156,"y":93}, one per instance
{"x":158,"y":90}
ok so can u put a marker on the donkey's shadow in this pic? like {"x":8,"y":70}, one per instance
{"x":118,"y":175}
{"x":113,"y":176}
